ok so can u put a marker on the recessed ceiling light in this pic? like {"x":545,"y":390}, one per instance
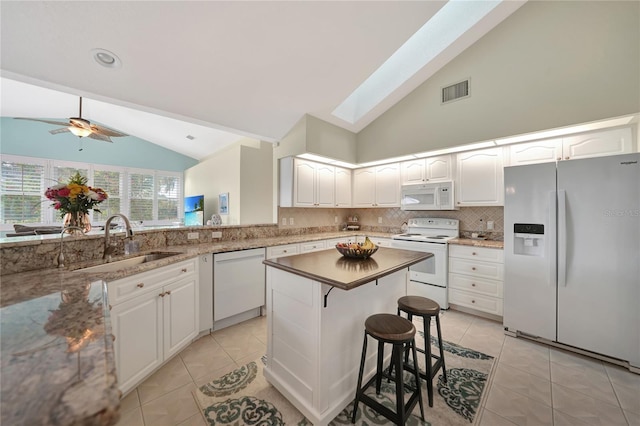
{"x":106,"y":58}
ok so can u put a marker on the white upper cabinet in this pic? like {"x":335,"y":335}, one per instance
{"x":431,"y":169}
{"x":597,"y":144}
{"x":306,"y":183}
{"x":377,"y":186}
{"x":535,"y":152}
{"x":585,"y":145}
{"x":343,"y":187}
{"x":364,"y":187}
{"x":480,"y":178}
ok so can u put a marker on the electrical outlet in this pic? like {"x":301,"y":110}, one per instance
{"x":379,"y":219}
{"x":335,"y":219}
{"x":193,"y":236}
{"x":489,"y":225}
{"x":284,"y":221}
{"x":290,"y":221}
{"x":216,"y":234}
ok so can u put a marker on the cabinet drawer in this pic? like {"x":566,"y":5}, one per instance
{"x":492,"y":305}
{"x":493,"y":271}
{"x":476,"y":285}
{"x":477,"y":253}
{"x":312,"y":246}
{"x":126,"y":288}
{"x":284,"y":250}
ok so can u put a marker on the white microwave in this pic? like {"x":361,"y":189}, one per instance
{"x":428,"y":196}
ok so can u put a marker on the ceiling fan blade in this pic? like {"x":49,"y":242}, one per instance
{"x":56,"y":131}
{"x":106,"y":131}
{"x":99,"y":137}
{"x":57,"y":123}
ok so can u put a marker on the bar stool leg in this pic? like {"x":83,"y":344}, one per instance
{"x":379,"y":367}
{"x":426,"y":321}
{"x":444,"y":369}
{"x":417,"y":376}
{"x":359,"y":388}
{"x":397,"y":360}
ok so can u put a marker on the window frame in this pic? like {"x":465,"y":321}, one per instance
{"x":49,"y":214}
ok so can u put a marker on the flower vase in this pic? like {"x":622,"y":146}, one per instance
{"x":79,"y":219}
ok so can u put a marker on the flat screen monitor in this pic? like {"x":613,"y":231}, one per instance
{"x":194,"y":210}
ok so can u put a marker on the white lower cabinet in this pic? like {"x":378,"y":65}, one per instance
{"x":154,"y":321}
{"x":476,"y":277}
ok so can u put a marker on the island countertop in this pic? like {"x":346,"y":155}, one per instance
{"x":330,"y":267}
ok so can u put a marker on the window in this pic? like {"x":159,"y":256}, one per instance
{"x":21,"y":192}
{"x":111,"y":182}
{"x":151,"y":196}
{"x":141,"y":192}
{"x":168,"y":195}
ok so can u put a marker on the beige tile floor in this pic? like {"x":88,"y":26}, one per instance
{"x":531,"y":384}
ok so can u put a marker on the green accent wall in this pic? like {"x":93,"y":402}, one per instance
{"x":32,"y":139}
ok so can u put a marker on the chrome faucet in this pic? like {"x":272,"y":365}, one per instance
{"x":60,"y":259}
{"x":108,"y":247}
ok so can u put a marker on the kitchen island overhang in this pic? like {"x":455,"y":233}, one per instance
{"x":316,"y":307}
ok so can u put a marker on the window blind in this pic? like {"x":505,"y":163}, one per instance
{"x":21,"y":192}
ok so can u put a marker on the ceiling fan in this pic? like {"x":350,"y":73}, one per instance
{"x":81,"y":127}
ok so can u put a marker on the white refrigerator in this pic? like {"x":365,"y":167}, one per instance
{"x":572,"y":254}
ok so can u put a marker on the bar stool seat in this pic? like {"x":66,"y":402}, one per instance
{"x":400,"y":332}
{"x":425,"y":308}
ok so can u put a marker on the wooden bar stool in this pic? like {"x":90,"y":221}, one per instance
{"x":425,"y":308}
{"x":400,"y":332}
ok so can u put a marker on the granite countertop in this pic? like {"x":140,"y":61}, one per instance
{"x":57,"y":357}
{"x":477,"y":243}
{"x":330,"y":267}
{"x":49,"y":377}
{"x":49,"y":374}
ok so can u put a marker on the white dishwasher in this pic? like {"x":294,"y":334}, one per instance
{"x":238,"y":285}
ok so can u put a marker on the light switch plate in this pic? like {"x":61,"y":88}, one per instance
{"x":193,"y":236}
{"x":284,"y":221}
{"x":290,"y":221}
{"x":489,"y":225}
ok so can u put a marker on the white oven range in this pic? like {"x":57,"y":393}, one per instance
{"x":429,"y":278}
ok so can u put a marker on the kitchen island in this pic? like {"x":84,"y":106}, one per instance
{"x":317,"y":304}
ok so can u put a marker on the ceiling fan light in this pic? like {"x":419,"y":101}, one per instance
{"x":79,"y":131}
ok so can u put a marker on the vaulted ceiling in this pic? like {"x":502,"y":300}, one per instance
{"x":215,"y":70}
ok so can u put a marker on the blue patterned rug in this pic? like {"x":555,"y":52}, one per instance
{"x":244,"y":397}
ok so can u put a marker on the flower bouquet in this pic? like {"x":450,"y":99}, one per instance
{"x":75,"y":199}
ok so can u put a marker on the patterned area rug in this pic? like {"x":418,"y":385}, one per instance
{"x":244,"y":397}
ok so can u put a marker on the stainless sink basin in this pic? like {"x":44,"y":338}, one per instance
{"x":127,"y":263}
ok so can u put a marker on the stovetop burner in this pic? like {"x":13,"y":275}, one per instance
{"x":430,"y":229}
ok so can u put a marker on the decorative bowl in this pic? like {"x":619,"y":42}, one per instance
{"x":349,"y":250}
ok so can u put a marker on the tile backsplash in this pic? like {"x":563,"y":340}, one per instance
{"x":391,"y":219}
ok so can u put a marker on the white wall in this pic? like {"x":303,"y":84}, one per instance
{"x":244,"y":170}
{"x":217,"y":174}
{"x":550,"y":64}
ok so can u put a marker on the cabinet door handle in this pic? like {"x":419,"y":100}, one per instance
{"x":140,"y":285}
{"x":566,"y":158}
{"x":473,"y":253}
{"x":473,"y":284}
{"x":473,"y":301}
{"x":110,"y":307}
{"x":167,"y":292}
{"x":162,"y":294}
{"x":113,"y":337}
{"x":184,"y":269}
{"x":473,"y":268}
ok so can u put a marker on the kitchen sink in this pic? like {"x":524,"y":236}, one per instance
{"x":127,"y":263}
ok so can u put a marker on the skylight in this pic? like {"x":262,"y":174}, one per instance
{"x":449,"y":23}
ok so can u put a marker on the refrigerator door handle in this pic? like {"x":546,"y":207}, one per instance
{"x":562,"y":238}
{"x":551,"y":239}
